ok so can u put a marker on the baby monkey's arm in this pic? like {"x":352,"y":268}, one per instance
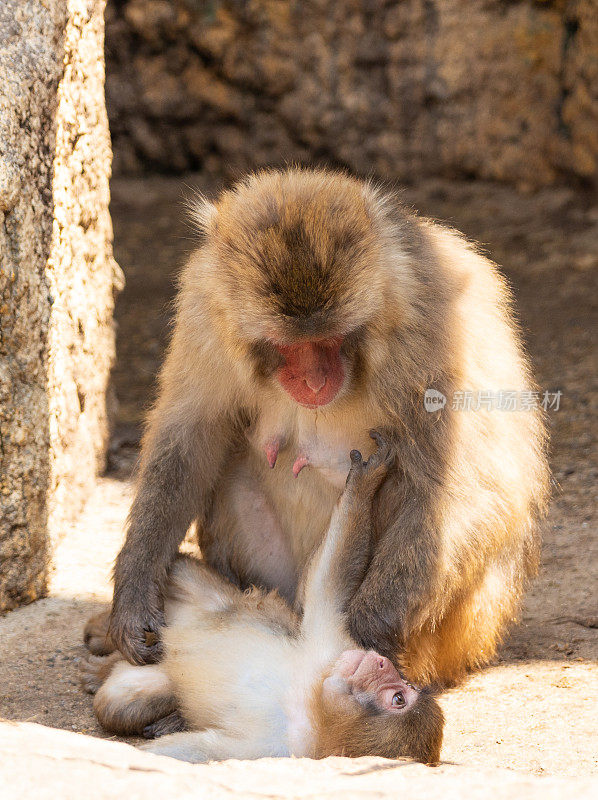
{"x":340,"y":563}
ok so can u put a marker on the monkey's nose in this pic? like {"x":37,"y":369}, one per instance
{"x":315,"y":382}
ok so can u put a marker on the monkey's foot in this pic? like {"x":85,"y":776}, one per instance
{"x":173,"y":723}
{"x":93,"y":670}
{"x":366,"y":476}
{"x":382,"y":457}
{"x":96,"y":637}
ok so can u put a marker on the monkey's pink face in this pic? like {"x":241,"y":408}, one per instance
{"x":312,"y":372}
{"x":368,"y":678}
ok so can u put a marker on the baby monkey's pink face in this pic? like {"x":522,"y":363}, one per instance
{"x":369,"y":679}
{"x":366,"y":708}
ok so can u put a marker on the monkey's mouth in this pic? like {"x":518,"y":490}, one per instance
{"x":313,"y":372}
{"x":308,"y":392}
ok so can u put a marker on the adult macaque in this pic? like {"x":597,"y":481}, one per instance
{"x":315,"y":309}
{"x":250,"y":680}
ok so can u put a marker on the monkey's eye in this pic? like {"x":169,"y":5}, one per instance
{"x":398,"y":700}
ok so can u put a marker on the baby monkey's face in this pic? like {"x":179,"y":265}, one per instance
{"x":370,"y":681}
{"x":367,"y":709}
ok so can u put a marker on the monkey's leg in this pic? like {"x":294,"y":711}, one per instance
{"x":97,"y":636}
{"x":198,"y":747}
{"x":181,"y":462}
{"x":132,"y":698}
{"x":94,"y":670}
{"x":467,"y":635}
{"x":405,"y":572}
{"x":339,"y":565}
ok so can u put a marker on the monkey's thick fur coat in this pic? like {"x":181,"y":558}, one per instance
{"x":304,"y":256}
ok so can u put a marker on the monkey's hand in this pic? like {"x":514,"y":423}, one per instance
{"x":135,"y":624}
{"x":374,"y":627}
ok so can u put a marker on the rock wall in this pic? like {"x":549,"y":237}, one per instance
{"x":495,"y":89}
{"x":57,"y":278}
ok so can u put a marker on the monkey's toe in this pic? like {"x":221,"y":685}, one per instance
{"x":96,"y":637}
{"x":355,"y":456}
{"x":172,"y":723}
{"x":90,"y":669}
{"x":93,"y":670}
{"x":99,"y":645}
{"x":383,"y":455}
{"x":356,"y":469}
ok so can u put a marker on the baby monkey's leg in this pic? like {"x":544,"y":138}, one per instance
{"x":131,"y":700}
{"x":352,"y":554}
{"x":211,"y":744}
{"x":341,"y":562}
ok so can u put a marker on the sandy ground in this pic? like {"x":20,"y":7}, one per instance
{"x":536,"y":709}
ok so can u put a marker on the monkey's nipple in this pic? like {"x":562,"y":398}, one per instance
{"x":271,"y":450}
{"x":300,"y":462}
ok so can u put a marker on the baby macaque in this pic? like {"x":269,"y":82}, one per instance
{"x":244,"y":677}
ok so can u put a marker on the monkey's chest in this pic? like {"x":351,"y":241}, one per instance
{"x":303,"y":442}
{"x":276,"y":500}
{"x":328,"y":457}
{"x":305,"y":483}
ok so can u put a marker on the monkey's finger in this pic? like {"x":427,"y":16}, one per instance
{"x":149,"y":653}
{"x":356,"y":457}
{"x":383,"y":454}
{"x":150,"y":638}
{"x":141,"y":647}
{"x":378,"y":438}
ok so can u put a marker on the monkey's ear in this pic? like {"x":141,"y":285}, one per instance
{"x":202,"y":212}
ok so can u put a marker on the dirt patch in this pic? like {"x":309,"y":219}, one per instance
{"x":535,"y":710}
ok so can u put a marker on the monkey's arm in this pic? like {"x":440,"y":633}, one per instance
{"x":340,"y":563}
{"x":181,"y":463}
{"x":211,"y":744}
{"x":403,"y":573}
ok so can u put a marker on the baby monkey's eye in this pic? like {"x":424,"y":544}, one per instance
{"x":398,"y":700}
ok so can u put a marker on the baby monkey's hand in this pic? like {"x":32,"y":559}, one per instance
{"x":365,"y":477}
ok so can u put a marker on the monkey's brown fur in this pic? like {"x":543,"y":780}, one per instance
{"x":340,"y":735}
{"x":305,"y":255}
